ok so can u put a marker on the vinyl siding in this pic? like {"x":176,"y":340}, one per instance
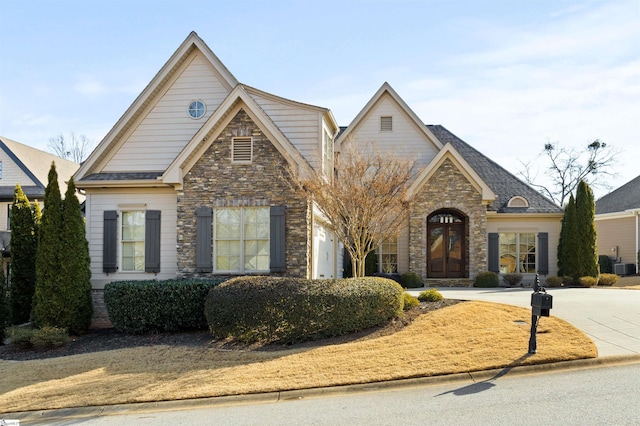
{"x":405,"y":140}
{"x":302,"y":127}
{"x":100,"y":201}
{"x":167,"y":128}
{"x":521,"y":224}
{"x":619,"y":232}
{"x":12,"y":173}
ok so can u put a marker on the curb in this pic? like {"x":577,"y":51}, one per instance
{"x":289,"y":395}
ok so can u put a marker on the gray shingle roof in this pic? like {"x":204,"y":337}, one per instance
{"x":124,"y":176}
{"x":504,"y":184}
{"x":627,"y":197}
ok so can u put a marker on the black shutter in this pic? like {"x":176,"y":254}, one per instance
{"x":494,"y":252}
{"x":277,"y":239}
{"x":110,"y":242}
{"x":152,"y":241}
{"x":204,"y":260}
{"x":543,"y":253}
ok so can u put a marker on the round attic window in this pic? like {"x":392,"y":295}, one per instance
{"x":197,"y":109}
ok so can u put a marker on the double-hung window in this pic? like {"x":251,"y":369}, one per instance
{"x":242,"y":239}
{"x":518,"y":252}
{"x":389,"y":256}
{"x":133,"y":240}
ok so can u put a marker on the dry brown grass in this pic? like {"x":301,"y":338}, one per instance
{"x":465,"y":337}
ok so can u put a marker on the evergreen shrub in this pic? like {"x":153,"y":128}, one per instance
{"x":512,"y":280}
{"x":5,"y":306}
{"x":431,"y":295}
{"x":38,"y":338}
{"x":139,"y":307}
{"x":606,"y":264}
{"x":287,"y":310}
{"x":410,"y":302}
{"x":608,"y":279}
{"x":553,"y":281}
{"x":486,"y":279}
{"x":410,"y":280}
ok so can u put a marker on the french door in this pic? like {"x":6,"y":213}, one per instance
{"x":446,"y":248}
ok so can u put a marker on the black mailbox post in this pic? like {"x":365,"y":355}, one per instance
{"x":541,"y":303}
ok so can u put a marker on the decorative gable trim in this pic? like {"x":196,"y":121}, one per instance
{"x":237,"y":100}
{"x":151,"y":94}
{"x":449,"y":152}
{"x":387,"y":90}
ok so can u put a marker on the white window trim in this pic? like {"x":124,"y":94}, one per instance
{"x":380,"y":263}
{"x":242,"y":270}
{"x":204,"y":105}
{"x":121,"y":241}
{"x":535,"y":244}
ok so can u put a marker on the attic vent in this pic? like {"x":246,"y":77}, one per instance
{"x":386,"y":124}
{"x":518,"y":201}
{"x":241,"y":150}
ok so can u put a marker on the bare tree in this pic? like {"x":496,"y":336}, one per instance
{"x":75,"y":148}
{"x":365,"y":200}
{"x":569,"y":166}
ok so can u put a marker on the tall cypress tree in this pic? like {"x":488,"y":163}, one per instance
{"x":568,"y":244}
{"x":5,"y":306}
{"x":75,"y":274}
{"x":23,"y":247}
{"x":48,"y":304}
{"x":587,"y":239}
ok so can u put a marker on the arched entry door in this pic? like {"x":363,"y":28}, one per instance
{"x":446,"y":249}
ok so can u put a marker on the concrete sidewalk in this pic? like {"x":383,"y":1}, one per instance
{"x":609,"y":316}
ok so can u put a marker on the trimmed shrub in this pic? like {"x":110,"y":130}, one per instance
{"x":606,"y":264}
{"x":553,"y":281}
{"x":5,"y":306}
{"x":38,"y":338}
{"x":139,"y":307}
{"x":410,"y":280}
{"x":588,"y":281}
{"x":512,"y":280}
{"x":431,"y":295}
{"x":287,"y":310}
{"x":608,"y":279}
{"x":486,"y":279}
{"x":410,"y":302}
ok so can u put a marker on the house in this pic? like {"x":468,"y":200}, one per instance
{"x":29,"y":167}
{"x":618,"y":226}
{"x":190,"y":182}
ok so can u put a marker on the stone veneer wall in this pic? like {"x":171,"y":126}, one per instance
{"x":448,"y":188}
{"x":216,"y":182}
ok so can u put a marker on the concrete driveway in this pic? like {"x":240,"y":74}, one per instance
{"x":609,"y":316}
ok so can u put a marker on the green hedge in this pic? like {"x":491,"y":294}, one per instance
{"x":486,"y":279}
{"x":139,"y":307}
{"x":287,"y":310}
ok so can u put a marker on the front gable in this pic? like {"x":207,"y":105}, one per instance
{"x":391,"y":126}
{"x":238,"y":100}
{"x":449,"y":153}
{"x":157,"y":125}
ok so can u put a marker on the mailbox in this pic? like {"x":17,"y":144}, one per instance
{"x":541,"y":303}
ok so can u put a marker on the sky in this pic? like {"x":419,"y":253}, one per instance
{"x":505,"y":76}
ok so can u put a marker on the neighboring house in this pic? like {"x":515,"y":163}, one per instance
{"x":192,"y":181}
{"x":29,"y":167}
{"x":618,"y":226}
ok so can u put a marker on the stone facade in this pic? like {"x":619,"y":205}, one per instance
{"x":215,"y":181}
{"x":448,"y":188}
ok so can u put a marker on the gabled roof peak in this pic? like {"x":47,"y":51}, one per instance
{"x":386,"y":89}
